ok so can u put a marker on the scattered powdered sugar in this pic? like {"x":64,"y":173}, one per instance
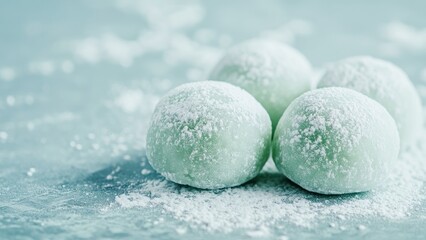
{"x":7,"y":73}
{"x":272,"y":199}
{"x":164,"y":34}
{"x":132,"y":100}
{"x":3,"y":136}
{"x":31,"y":172}
{"x":401,"y":36}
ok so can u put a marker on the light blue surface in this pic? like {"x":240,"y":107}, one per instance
{"x":49,"y":117}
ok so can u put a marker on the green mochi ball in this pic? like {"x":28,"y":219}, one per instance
{"x":209,"y":135}
{"x":336,"y":141}
{"x":274,"y":73}
{"x":387,"y":84}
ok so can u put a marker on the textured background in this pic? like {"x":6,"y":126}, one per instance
{"x":79,"y":80}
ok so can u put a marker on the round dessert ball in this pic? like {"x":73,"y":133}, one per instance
{"x":274,"y":73}
{"x":209,"y":135}
{"x":385,"y":83}
{"x":335,"y":141}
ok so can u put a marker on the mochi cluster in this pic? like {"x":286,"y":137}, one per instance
{"x":343,"y":137}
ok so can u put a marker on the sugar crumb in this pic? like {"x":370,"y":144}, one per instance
{"x":31,"y":172}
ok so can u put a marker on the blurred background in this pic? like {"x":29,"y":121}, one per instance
{"x":79,"y":80}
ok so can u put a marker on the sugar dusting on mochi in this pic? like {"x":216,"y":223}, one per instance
{"x":209,"y":135}
{"x":335,"y":141}
{"x":273,"y":72}
{"x":384,"y":82}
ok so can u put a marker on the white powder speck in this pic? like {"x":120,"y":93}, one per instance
{"x":262,"y":232}
{"x":31,"y":172}
{"x":160,"y":220}
{"x":3,"y":136}
{"x":181,"y":230}
{"x":145,"y":172}
{"x":7,"y":73}
{"x":30,"y":126}
{"x":131,"y":101}
{"x":88,"y":50}
{"x":132,"y":200}
{"x":10,"y":100}
{"x":91,"y":136}
{"x":361,"y":227}
{"x":78,"y":147}
{"x":113,"y":172}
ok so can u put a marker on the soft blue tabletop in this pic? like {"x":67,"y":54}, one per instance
{"x":78,"y":83}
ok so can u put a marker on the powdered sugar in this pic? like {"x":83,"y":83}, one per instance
{"x":131,"y":100}
{"x":271,"y":199}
